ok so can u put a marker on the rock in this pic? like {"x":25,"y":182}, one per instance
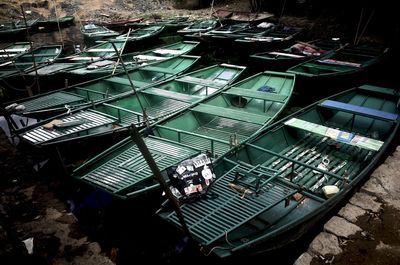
{"x":351,"y":212}
{"x":67,"y":219}
{"x":28,"y":192}
{"x":95,"y":248}
{"x":325,"y":243}
{"x":52,"y":214}
{"x":341,"y":227}
{"x":304,"y":259}
{"x":366,"y":202}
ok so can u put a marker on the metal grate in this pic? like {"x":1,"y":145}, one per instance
{"x":129,"y":167}
{"x":210,"y":220}
{"x":51,"y":100}
{"x":90,"y":119}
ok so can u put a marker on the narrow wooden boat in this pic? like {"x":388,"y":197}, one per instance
{"x":93,"y":32}
{"x":145,"y":107}
{"x":29,"y":60}
{"x":274,"y":188}
{"x":9,"y":50}
{"x":216,"y":125}
{"x":242,"y":16}
{"x":53,"y":23}
{"x":278,"y":37}
{"x":199,"y":26}
{"x":97,"y":53}
{"x":344,"y":65}
{"x":282,"y":59}
{"x":141,"y":34}
{"x":134,"y":60}
{"x":66,"y":99}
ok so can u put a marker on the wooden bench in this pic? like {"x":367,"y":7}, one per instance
{"x":160,"y":70}
{"x":172,"y":94}
{"x":201,"y":81}
{"x":256,"y":94}
{"x":232,"y":114}
{"x":125,"y":81}
{"x":359,"y":110}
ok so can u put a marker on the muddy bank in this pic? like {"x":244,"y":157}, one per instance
{"x":33,"y":207}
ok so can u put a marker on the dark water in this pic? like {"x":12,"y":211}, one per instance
{"x":131,"y":227}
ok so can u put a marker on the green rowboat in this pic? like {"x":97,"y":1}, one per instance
{"x":343,"y":65}
{"x":146,"y":106}
{"x":10,"y":50}
{"x":141,"y":34}
{"x":84,"y":94}
{"x":210,"y":125}
{"x":27,"y":61}
{"x":274,"y":188}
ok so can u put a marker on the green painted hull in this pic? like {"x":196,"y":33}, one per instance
{"x":344,"y":61}
{"x":54,"y":23}
{"x":26,"y":61}
{"x":88,"y":93}
{"x":206,"y":125}
{"x":142,"y":34}
{"x":281,"y":173}
{"x":9,"y":51}
{"x":134,"y":60}
{"x":191,"y":89}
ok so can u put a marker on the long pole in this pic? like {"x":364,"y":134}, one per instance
{"x":33,"y":56}
{"x":157,"y":174}
{"x":58,"y":23}
{"x":127,"y":75}
{"x":122,"y":50}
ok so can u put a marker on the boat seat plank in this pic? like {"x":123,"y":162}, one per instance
{"x":172,"y":94}
{"x":201,"y":81}
{"x":211,"y":220}
{"x":257,"y":94}
{"x":88,"y":120}
{"x":231,"y":114}
{"x":129,"y":168}
{"x":51,"y":100}
{"x":168,"y":51}
{"x":160,"y":70}
{"x":335,"y":134}
{"x":377,"y":89}
{"x":101,"y":50}
{"x":125,"y":81}
{"x":143,"y":57}
{"x":359,"y":110}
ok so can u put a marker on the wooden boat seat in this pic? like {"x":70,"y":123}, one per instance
{"x":335,"y":134}
{"x":41,"y":55}
{"x":160,"y":70}
{"x":142,"y":57}
{"x":129,"y":168}
{"x":89,"y":119}
{"x":101,"y":50}
{"x":125,"y":81}
{"x":168,"y":52}
{"x":52,"y":100}
{"x":14,"y":50}
{"x":232,"y":114}
{"x":256,"y":94}
{"x":201,"y":81}
{"x":377,"y":89}
{"x":84,"y":58}
{"x":171,"y":94}
{"x":359,"y":110}
{"x":231,"y":209}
